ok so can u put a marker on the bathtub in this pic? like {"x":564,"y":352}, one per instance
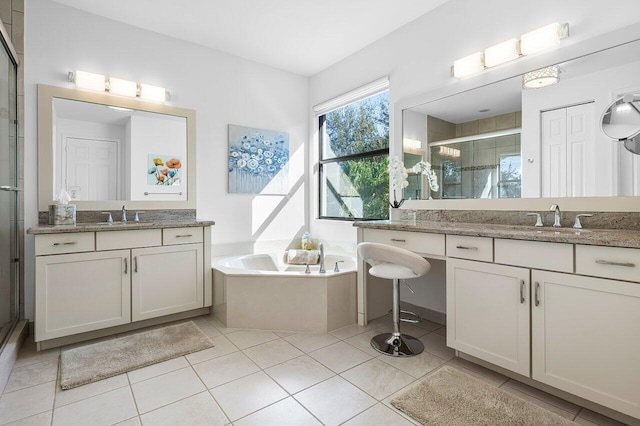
{"x":260,"y":291}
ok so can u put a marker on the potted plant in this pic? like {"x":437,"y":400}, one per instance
{"x":398,"y":179}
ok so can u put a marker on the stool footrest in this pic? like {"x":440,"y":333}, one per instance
{"x":417,"y":318}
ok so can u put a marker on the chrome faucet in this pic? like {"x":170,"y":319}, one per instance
{"x":321,"y":247}
{"x":124,"y":213}
{"x":556,"y":218}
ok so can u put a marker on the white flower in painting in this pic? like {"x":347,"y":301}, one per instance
{"x":246,"y":146}
{"x":252,"y":164}
{"x":241,"y":163}
{"x":235,"y":154}
{"x":268,"y":154}
{"x":245,"y":156}
{"x":259,"y":150}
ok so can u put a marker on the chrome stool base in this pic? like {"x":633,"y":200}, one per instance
{"x":394,"y":345}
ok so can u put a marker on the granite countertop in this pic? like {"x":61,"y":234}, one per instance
{"x":596,"y":237}
{"x":117,"y":226}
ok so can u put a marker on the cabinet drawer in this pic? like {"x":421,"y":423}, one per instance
{"x":114,"y":240}
{"x":535,"y":254}
{"x":75,"y":242}
{"x":419,"y":242}
{"x":473,"y":248}
{"x":608,"y":262}
{"x":172,"y":236}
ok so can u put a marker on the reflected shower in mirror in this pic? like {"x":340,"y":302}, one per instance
{"x":103,"y":152}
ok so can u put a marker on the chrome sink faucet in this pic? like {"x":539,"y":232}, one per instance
{"x":124,"y":213}
{"x":556,"y":218}
{"x":321,"y":247}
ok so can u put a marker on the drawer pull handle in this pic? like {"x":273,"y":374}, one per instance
{"x":467,"y":248}
{"x":610,"y":263}
{"x":537,"y":295}
{"x":521,"y":291}
{"x":397,"y":240}
{"x":184,"y":236}
{"x":69,"y":243}
{"x":135,"y":264}
{"x":126,"y":266}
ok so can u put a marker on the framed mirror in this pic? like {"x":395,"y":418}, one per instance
{"x":492,"y":145}
{"x":106,"y":151}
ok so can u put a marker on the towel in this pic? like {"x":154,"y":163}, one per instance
{"x":301,"y":257}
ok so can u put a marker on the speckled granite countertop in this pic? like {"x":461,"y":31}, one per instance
{"x":596,"y":237}
{"x":117,"y":226}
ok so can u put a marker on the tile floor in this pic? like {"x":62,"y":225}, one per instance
{"x":254,"y":378}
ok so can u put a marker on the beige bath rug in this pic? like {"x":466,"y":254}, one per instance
{"x":453,"y":398}
{"x":90,"y":363}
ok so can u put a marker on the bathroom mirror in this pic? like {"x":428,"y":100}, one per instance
{"x":500,"y":141}
{"x":106,"y":151}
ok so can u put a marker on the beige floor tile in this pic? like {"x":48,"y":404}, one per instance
{"x":42,"y":419}
{"x":334,"y":401}
{"x":543,"y":396}
{"x":165,"y":389}
{"x":225,"y":369}
{"x":247,"y":395}
{"x":581,"y":421}
{"x":588,"y":417}
{"x":200,"y":409}
{"x":26,"y":402}
{"x":32,"y":374}
{"x":286,"y":412}
{"x":417,"y":366}
{"x":379,"y":414}
{"x":272,"y":353}
{"x":299,"y":373}
{"x":378,"y":378}
{"x":158,"y":369}
{"x":479,"y":372}
{"x":340,"y":357}
{"x":363,"y":342}
{"x":29,"y":355}
{"x":437,"y":345}
{"x":429,"y":325}
{"x":134,"y":421}
{"x":309,"y":342}
{"x":284,"y":333}
{"x":405,"y":328}
{"x":351,"y":330}
{"x":247,"y":338}
{"x":223,"y":328}
{"x":64,"y":397}
{"x":209,"y":329}
{"x":538,"y":402}
{"x":222,"y":347}
{"x":442,"y":331}
{"x":104,"y":409}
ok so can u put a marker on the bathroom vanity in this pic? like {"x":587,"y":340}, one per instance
{"x":91,"y":278}
{"x":556,"y":305}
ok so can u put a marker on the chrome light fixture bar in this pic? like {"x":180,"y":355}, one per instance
{"x":118,"y":86}
{"x":530,"y":43}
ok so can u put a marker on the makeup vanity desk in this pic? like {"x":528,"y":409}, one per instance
{"x":560,"y":306}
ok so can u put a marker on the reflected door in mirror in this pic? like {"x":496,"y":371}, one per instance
{"x":89,"y":171}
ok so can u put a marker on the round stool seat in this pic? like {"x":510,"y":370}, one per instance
{"x":392,"y":271}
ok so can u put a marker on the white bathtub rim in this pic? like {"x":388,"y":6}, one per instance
{"x":219,"y":264}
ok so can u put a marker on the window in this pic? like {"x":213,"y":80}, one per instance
{"x":354,"y":149}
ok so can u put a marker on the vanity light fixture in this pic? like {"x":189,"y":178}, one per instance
{"x":412,"y":143}
{"x":118,"y":86}
{"x":541,"y":78}
{"x":529,"y":43}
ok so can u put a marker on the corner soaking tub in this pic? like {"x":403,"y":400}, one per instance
{"x":259,"y":291}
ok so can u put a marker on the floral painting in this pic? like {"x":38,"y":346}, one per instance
{"x":163,"y":170}
{"x":258,"y":161}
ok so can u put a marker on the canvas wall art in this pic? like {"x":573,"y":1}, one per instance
{"x":164,"y":170}
{"x":258,"y":161}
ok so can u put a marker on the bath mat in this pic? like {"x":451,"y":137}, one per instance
{"x":451,"y":397}
{"x":97,"y":361}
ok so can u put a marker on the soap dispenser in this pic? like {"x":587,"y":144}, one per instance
{"x":306,"y":241}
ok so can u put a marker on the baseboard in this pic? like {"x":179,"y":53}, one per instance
{"x":425,"y":313}
{"x":11,"y":350}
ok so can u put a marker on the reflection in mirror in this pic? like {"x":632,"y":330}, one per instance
{"x":553,"y":146}
{"x":621,"y":121}
{"x":107,"y":153}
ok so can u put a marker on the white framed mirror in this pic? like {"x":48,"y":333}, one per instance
{"x":106,"y":151}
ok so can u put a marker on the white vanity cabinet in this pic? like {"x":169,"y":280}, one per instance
{"x":118,"y":277}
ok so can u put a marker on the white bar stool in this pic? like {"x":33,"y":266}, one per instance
{"x":395,"y":264}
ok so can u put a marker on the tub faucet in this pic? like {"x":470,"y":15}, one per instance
{"x":124,"y":213}
{"x":556,"y":218}
{"x":321,"y":247}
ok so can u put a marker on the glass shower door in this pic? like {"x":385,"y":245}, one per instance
{"x":9,"y":265}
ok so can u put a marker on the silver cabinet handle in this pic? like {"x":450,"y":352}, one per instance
{"x":10,"y":188}
{"x":610,"y":263}
{"x":184,"y":236}
{"x":466,"y":248}
{"x":521,"y":291}
{"x":126,"y":265}
{"x":398,"y":240}
{"x":69,"y":243}
{"x":537,"y":295}
{"x":135,"y":264}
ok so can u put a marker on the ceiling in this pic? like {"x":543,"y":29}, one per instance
{"x":300,"y":36}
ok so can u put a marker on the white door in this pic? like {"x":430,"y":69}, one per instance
{"x":554,"y":153}
{"x":488,"y":312}
{"x":580,"y":150}
{"x":166,"y":280}
{"x":92,"y":168}
{"x":586,"y":338}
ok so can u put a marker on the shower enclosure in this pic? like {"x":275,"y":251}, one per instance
{"x":9,"y":234}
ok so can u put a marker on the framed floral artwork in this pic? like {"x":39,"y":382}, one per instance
{"x":164,"y":170}
{"x":258,"y":161}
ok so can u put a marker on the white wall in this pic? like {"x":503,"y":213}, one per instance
{"x":223,"y":89}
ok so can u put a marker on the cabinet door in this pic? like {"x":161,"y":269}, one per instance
{"x":166,"y":280}
{"x":81,"y":292}
{"x":586,"y":338}
{"x":488,"y":313}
